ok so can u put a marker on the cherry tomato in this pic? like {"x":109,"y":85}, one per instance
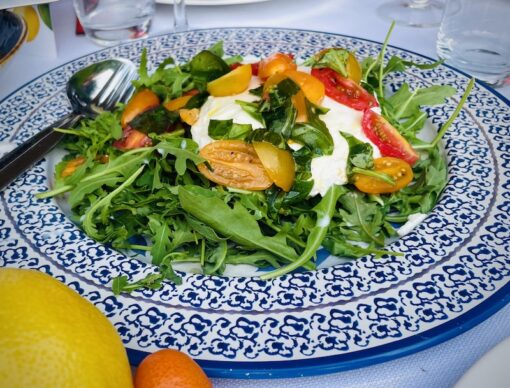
{"x":352,"y":65}
{"x":189,"y":116}
{"x":279,"y":164}
{"x":254,"y":67}
{"x":276,"y":63}
{"x":234,"y":82}
{"x":71,"y":166}
{"x":234,"y":163}
{"x":139,"y":103}
{"x":177,"y":103}
{"x":389,"y":141}
{"x":131,"y":139}
{"x":398,"y":169}
{"x":343,"y":90}
{"x":298,"y":100}
{"x":311,"y":86}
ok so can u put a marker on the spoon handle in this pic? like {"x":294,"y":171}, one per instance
{"x":33,"y":150}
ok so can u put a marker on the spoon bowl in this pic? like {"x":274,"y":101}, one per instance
{"x":92,"y":90}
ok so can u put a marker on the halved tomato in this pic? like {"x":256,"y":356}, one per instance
{"x":234,"y":163}
{"x":279,"y":164}
{"x":311,"y":86}
{"x":389,"y":141}
{"x":399,"y":170}
{"x":139,"y":103}
{"x":131,"y":139}
{"x":234,"y":82}
{"x":276,"y":63}
{"x":344,"y":90}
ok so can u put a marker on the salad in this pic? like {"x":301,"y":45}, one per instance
{"x":220,"y":162}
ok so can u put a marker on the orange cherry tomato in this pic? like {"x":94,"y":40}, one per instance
{"x":234,"y":82}
{"x":170,"y":368}
{"x":279,"y":164}
{"x":398,"y":169}
{"x":71,"y":166}
{"x":298,"y":100}
{"x":311,"y":86}
{"x":177,"y":103}
{"x":276,"y":63}
{"x":234,"y":163}
{"x":139,"y":103}
{"x":189,"y":116}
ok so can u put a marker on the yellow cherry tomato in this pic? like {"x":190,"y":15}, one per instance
{"x":276,"y":63}
{"x":139,"y":103}
{"x":279,"y":164}
{"x":398,"y":169}
{"x":234,"y":82}
{"x":234,"y":163}
{"x":189,"y":116}
{"x":71,"y":166}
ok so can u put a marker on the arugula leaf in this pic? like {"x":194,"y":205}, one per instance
{"x":227,"y":129}
{"x":405,"y":103}
{"x":340,"y":247}
{"x":161,"y":244}
{"x":334,"y":58}
{"x":324,"y":211}
{"x":235,"y":223}
{"x":183,"y":149}
{"x":363,"y":217}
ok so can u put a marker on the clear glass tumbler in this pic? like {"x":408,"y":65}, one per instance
{"x":108,"y":22}
{"x":474,"y":36}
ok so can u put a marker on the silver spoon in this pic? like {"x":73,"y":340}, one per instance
{"x":91,"y":90}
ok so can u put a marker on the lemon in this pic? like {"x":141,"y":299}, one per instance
{"x":31,"y":19}
{"x":52,"y":337}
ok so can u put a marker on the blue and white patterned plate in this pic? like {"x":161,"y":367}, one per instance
{"x":454,"y":273}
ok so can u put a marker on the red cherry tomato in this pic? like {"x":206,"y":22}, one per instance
{"x":344,"y":90}
{"x":389,"y":141}
{"x":131,"y":139}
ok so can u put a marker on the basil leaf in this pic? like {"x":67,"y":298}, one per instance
{"x":227,"y":129}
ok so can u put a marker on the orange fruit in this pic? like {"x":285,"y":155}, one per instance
{"x":169,"y":368}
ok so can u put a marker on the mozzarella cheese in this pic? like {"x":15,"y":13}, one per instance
{"x":224,"y":108}
{"x":331,"y":169}
{"x":326,"y":170}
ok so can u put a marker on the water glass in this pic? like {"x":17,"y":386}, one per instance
{"x":474,"y":36}
{"x":108,"y":22}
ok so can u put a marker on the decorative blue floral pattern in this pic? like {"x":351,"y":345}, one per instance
{"x":459,"y":256}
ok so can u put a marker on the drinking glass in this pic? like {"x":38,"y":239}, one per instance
{"x":180,"y":17}
{"x":474,"y":36}
{"x":108,"y":22}
{"x":414,"y":13}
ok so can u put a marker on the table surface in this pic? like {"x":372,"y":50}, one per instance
{"x":440,"y":366}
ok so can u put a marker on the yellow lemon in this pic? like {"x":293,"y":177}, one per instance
{"x":31,"y":18}
{"x":52,"y":337}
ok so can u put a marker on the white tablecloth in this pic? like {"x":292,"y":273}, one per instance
{"x":439,"y":366}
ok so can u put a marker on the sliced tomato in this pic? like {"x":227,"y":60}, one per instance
{"x":131,"y":139}
{"x":311,"y":86}
{"x":139,"y":103}
{"x":254,"y":67}
{"x":234,"y":82}
{"x":344,"y":90}
{"x":389,"y":141}
{"x":234,"y":163}
{"x":276,"y":63}
{"x":399,"y":170}
{"x":279,"y":164}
